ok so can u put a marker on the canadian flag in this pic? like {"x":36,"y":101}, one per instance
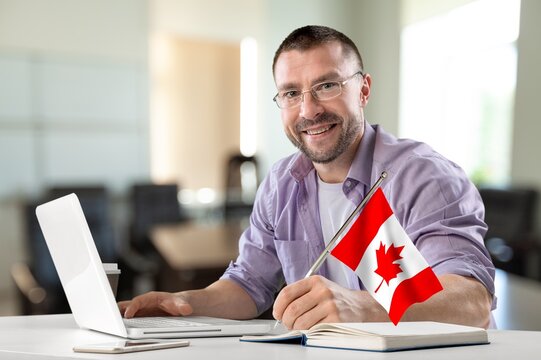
{"x":382,"y":255}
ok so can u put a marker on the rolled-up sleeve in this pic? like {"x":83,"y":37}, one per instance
{"x":257,"y":269}
{"x":442,"y":212}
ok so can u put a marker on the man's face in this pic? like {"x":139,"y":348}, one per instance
{"x":323,"y":130}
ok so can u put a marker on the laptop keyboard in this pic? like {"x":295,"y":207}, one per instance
{"x":170,"y":321}
{"x":160,"y":322}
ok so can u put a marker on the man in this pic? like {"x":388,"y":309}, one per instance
{"x":322,"y":91}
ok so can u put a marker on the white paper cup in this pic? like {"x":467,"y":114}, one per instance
{"x":113,"y":273}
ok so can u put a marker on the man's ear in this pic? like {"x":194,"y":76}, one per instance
{"x":365,"y":89}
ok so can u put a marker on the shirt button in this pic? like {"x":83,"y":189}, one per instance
{"x":348,"y":183}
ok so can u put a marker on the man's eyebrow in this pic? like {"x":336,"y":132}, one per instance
{"x":287,"y":86}
{"x":330,"y":76}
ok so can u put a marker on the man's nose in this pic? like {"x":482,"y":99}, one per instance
{"x":310,"y":106}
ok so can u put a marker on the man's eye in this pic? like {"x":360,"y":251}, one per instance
{"x":291,"y":94}
{"x":328,"y":86}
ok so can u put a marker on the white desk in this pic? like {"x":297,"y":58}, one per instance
{"x":53,"y":336}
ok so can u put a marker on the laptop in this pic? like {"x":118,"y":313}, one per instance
{"x":89,"y":293}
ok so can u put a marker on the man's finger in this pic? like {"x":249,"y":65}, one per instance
{"x":288,"y":295}
{"x":122,"y":305}
{"x":144,"y":303}
{"x":309,"y":318}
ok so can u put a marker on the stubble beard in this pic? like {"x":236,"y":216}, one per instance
{"x":350,"y":130}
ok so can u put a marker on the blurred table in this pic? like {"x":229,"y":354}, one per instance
{"x":519,"y":302}
{"x":194,"y":245}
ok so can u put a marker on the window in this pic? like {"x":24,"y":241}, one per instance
{"x":458,"y":75}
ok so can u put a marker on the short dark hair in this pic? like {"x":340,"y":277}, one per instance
{"x":310,"y":36}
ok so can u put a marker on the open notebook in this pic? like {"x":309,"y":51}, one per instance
{"x":380,"y":336}
{"x":88,"y":291}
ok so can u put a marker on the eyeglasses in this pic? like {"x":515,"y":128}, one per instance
{"x":323,"y":91}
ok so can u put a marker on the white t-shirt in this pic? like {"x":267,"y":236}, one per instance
{"x":334,"y":209}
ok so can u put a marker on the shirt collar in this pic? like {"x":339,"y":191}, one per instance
{"x":301,"y":166}
{"x":361,"y":167}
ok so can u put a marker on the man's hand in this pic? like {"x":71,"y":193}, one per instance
{"x":307,"y":302}
{"x":223,"y":298}
{"x":156,"y":304}
{"x":316,"y":299}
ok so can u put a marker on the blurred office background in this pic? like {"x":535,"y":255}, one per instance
{"x":112,"y":98}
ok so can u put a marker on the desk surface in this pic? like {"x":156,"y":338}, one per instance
{"x":53,"y":337}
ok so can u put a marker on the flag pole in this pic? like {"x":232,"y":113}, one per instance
{"x":358,"y":209}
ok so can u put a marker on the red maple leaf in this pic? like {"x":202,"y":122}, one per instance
{"x":387,"y":269}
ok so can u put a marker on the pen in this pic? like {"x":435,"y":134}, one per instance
{"x":317,"y":264}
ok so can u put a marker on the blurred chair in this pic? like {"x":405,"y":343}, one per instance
{"x":511,"y":240}
{"x":95,"y":202}
{"x":37,"y":281}
{"x":242,"y":180}
{"x":151,"y":205}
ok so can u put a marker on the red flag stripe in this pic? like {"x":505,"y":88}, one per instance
{"x":351,"y":248}
{"x":413,"y":290}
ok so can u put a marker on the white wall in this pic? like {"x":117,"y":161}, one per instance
{"x":99,"y":28}
{"x":525,"y":165}
{"x":230,"y":20}
{"x":378,"y":27}
{"x":73,"y":102}
{"x":418,"y":10}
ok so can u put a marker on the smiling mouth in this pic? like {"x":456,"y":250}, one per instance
{"x":320,"y":130}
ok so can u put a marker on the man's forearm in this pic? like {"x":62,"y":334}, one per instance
{"x":463,"y":301}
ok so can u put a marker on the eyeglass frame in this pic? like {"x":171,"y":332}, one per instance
{"x":341,"y":83}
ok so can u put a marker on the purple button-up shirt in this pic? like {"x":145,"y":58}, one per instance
{"x":432,"y":198}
